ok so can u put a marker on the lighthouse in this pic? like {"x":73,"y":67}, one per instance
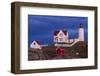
{"x":81,"y":32}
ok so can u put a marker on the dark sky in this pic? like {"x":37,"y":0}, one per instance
{"x":41,"y":27}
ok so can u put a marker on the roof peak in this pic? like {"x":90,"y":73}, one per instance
{"x":57,"y":31}
{"x":36,"y":41}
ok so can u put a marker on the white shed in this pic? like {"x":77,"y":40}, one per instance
{"x":35,"y":45}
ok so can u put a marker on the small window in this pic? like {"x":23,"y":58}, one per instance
{"x":61,"y":39}
{"x":56,"y":38}
{"x":34,"y":43}
{"x":61,"y":34}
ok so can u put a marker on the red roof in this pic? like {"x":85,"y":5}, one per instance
{"x":56,"y":32}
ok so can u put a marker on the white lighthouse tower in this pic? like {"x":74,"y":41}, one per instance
{"x":81,"y":33}
{"x":67,"y":37}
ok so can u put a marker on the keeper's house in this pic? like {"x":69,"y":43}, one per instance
{"x":61,"y":37}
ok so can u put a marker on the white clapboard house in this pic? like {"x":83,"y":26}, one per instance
{"x":61,"y":37}
{"x":35,"y":45}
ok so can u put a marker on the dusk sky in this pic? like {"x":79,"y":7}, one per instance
{"x":42,"y":27}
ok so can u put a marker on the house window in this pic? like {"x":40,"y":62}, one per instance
{"x":56,"y":39}
{"x":34,"y":43}
{"x":61,"y":34}
{"x":61,"y":39}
